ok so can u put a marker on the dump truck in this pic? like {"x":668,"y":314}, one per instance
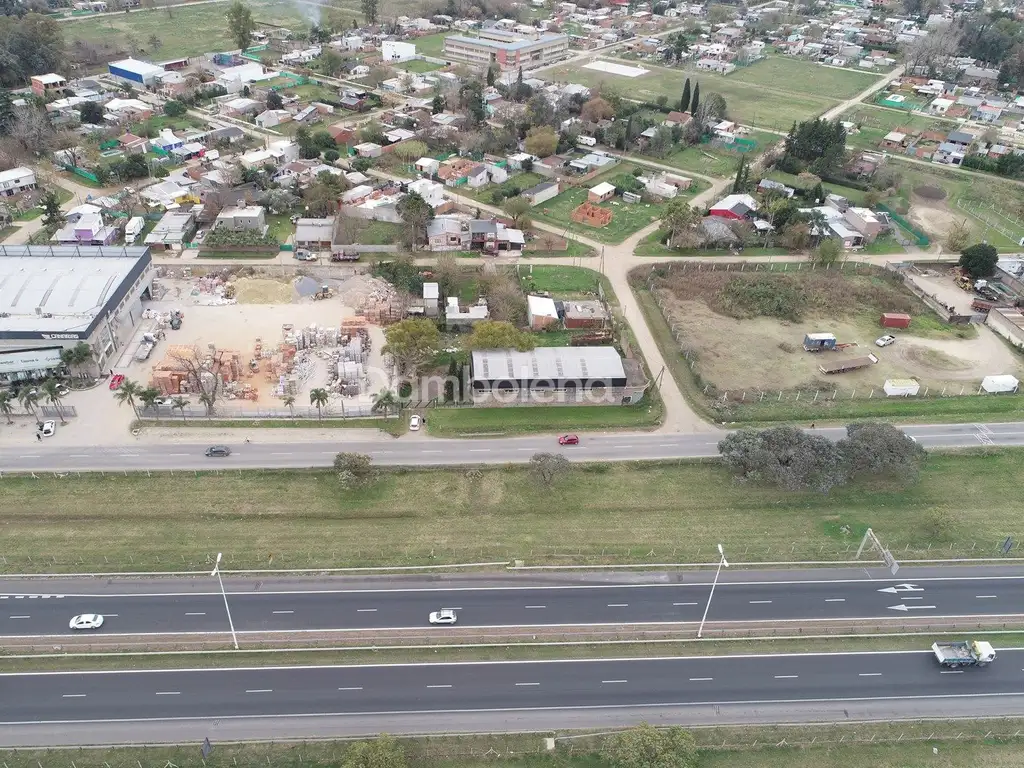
{"x":980,"y":305}
{"x":969,"y":653}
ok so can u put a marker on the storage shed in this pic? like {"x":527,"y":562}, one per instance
{"x":1001,"y":383}
{"x":895,"y":320}
{"x":817,"y":342}
{"x":901,"y":387}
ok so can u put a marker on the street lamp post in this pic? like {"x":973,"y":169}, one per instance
{"x":714,"y":584}
{"x":216,"y":572}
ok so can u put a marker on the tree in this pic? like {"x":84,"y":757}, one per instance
{"x":370,"y":9}
{"x":127,"y":393}
{"x":289,"y":403}
{"x":540,"y":111}
{"x":91,"y":112}
{"x":681,"y":220}
{"x":179,"y":403}
{"x":541,"y":141}
{"x":695,"y":101}
{"x":6,"y":404}
{"x":873,"y":448}
{"x":319,"y":397}
{"x":241,"y":24}
{"x":549,"y":466}
{"x":416,"y":213}
{"x":438,"y":104}
{"x":274,"y":100}
{"x":979,"y":260}
{"x":279,"y":200}
{"x":29,"y":398}
{"x":596,"y":110}
{"x":786,"y":457}
{"x":471,"y":95}
{"x":355,"y":470}
{"x":518,"y":209}
{"x":331,"y":63}
{"x":29,"y":45}
{"x":382,"y":752}
{"x":53,"y":216}
{"x":319,"y":34}
{"x":495,"y":334}
{"x":958,"y":236}
{"x":385,"y":401}
{"x":645,"y":746}
{"x":411,"y":343}
{"x":829,"y":251}
{"x":148,"y":398}
{"x":740,"y":183}
{"x":174,"y":108}
{"x":684,"y":102}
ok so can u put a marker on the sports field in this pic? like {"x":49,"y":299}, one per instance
{"x":770,"y":94}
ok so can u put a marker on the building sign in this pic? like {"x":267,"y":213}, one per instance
{"x":59,"y":335}
{"x":30,"y":360}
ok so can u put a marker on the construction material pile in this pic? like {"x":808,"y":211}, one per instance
{"x":177,"y":373}
{"x":365,"y":293}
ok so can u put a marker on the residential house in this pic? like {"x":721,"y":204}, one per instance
{"x":541,"y":312}
{"x":314,"y":234}
{"x":240,"y":107}
{"x":341,"y":134}
{"x":271,"y":117}
{"x":476,"y":176}
{"x":166,"y":141}
{"x":949,"y":153}
{"x":16,"y":181}
{"x":894,"y":141}
{"x":987,"y":113}
{"x":427,"y":166}
{"x":864,"y":221}
{"x":497,"y":174}
{"x":541,"y":192}
{"x":48,"y":85}
{"x":174,"y":229}
{"x":126,"y":110}
{"x":736,"y":207}
{"x":88,"y":230}
{"x":601,"y":192}
{"x":368,"y":149}
{"x":678,"y":118}
{"x":430,"y":191}
{"x":776,"y":187}
{"x":578,"y":314}
{"x":431,"y":295}
{"x":458,"y":319}
{"x":516,"y":161}
{"x":131,"y":144}
{"x":242,"y":218}
{"x":447,"y":234}
{"x":356,"y":195}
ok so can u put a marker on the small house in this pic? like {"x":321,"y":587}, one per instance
{"x":541,"y":193}
{"x":601,"y":192}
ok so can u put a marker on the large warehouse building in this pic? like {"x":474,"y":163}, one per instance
{"x":560,"y":374}
{"x":135,"y":71}
{"x":53,"y":297}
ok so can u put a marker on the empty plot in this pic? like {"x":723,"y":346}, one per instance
{"x":616,"y":69}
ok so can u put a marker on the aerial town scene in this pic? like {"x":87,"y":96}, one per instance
{"x":605,"y":384}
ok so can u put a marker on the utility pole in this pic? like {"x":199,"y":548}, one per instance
{"x":216,"y":572}
{"x":890,"y":561}
{"x":723,"y":561}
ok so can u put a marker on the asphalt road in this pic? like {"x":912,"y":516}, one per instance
{"x":488,"y":686}
{"x":44,"y":457}
{"x":35,"y":608}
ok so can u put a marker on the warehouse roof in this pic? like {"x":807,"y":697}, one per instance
{"x":545,"y":363}
{"x":138,"y":67}
{"x":57,"y":289}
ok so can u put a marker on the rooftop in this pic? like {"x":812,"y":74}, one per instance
{"x":548,"y":363}
{"x":506,"y":45}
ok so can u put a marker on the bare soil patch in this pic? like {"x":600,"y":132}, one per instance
{"x":933,"y":216}
{"x":930,"y":192}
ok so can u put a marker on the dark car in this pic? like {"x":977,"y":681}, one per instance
{"x":218,"y":450}
{"x":569,"y":440}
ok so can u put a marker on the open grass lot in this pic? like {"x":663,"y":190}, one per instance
{"x":564,"y":282}
{"x":416,"y":65}
{"x":468,"y":421}
{"x":520,"y":181}
{"x":770,"y":94}
{"x":713,"y":160}
{"x":185,"y":31}
{"x":431,"y":45}
{"x":876,"y":122}
{"x":628,"y":217}
{"x":617,"y":513}
{"x":654,"y":245}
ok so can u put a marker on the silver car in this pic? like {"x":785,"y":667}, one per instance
{"x":86,"y":621}
{"x":444,"y":616}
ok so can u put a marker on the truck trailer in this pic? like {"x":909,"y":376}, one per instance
{"x":969,"y":653}
{"x":849,"y":364}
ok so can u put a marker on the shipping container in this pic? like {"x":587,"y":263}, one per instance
{"x":895,"y":320}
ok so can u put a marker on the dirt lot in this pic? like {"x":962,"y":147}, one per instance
{"x":264,"y":308}
{"x":738,"y":348}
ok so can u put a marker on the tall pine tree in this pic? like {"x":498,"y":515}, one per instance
{"x":695,"y":102}
{"x":740,"y":184}
{"x":684,"y":103}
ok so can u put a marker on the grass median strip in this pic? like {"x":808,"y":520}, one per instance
{"x":965,"y":504}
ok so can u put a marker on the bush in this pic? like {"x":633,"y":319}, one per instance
{"x":331,"y":155}
{"x":764,"y":296}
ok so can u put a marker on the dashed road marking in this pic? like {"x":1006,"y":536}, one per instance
{"x":835,"y":599}
{"x":760,"y":602}
{"x":612,"y":682}
{"x":260,"y":690}
{"x":786,"y":677}
{"x":618,"y":605}
{"x":519,"y":684}
{"x":168,"y":693}
{"x":354,"y":688}
{"x":700,"y":679}
{"x":438,"y":686}
{"x":869,"y":674}
{"x":366,"y":610}
{"x":73,"y":696}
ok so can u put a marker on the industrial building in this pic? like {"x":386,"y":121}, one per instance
{"x":135,"y":71}
{"x":509,"y":51}
{"x":53,"y":297}
{"x":573,"y":372}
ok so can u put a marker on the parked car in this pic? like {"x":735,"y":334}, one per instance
{"x":116,"y":380}
{"x":86,"y":621}
{"x":569,"y":440}
{"x":415,"y":422}
{"x":444,"y":616}
{"x":303,"y":255}
{"x":885,"y":341}
{"x":218,"y":450}
{"x":47,"y":428}
{"x":168,"y":401}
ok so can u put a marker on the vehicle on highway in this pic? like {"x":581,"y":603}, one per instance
{"x":569,"y":440}
{"x":218,"y":450}
{"x":47,"y":428}
{"x":116,"y":380}
{"x":444,"y":616}
{"x":86,"y":621}
{"x":415,"y":422}
{"x":969,"y":653}
{"x":885,"y":341}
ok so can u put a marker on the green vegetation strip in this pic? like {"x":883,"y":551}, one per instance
{"x":965,"y":504}
{"x":391,"y":426}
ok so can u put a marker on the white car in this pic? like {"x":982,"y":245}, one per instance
{"x":885,"y":341}
{"x":444,"y":616}
{"x":87,"y":621}
{"x":415,"y":422}
{"x":48,"y":428}
{"x":168,"y":401}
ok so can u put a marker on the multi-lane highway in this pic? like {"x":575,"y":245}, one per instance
{"x":195,"y":605}
{"x":264,"y":453}
{"x":566,"y":691}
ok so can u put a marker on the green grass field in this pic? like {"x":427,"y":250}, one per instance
{"x":185,"y":31}
{"x":418,"y":66}
{"x":431,"y":45}
{"x":770,"y":94}
{"x":876,"y":122}
{"x":965,"y":502}
{"x":484,"y":194}
{"x":713,"y":160}
{"x":455,"y":422}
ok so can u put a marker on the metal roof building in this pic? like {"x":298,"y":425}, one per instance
{"x":547,"y":368}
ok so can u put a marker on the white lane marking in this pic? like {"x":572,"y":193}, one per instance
{"x":666,"y":445}
{"x":527,"y":449}
{"x":110,"y":615}
{"x":457,"y":608}
{"x":177,"y":454}
{"x":19,"y":617}
{"x":195,"y":614}
{"x":28,"y":456}
{"x":760,"y":602}
{"x":354,"y":688}
{"x":700,"y":679}
{"x":612,"y":682}
{"x":168,"y":693}
{"x":527,"y":683}
{"x":786,"y":677}
{"x":73,"y":696}
{"x":479,"y":450}
{"x":78,"y":455}
{"x":683,"y":603}
{"x":535,"y":606}
{"x":869,"y":674}
{"x":835,"y":599}
{"x":618,"y":605}
{"x":951,"y":672}
{"x":622,"y":446}
{"x":260,"y":690}
{"x":366,"y":610}
{"x":911,"y":598}
{"x":431,"y":451}
{"x":129,"y":455}
{"x":438,"y":686}
{"x":284,"y":611}
{"x":282,"y":453}
{"x":984,"y":597}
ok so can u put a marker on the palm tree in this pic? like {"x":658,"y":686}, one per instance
{"x":29,"y":398}
{"x":208,"y":399}
{"x":6,"y":408}
{"x":81,"y":354}
{"x":127,"y":392}
{"x":318,"y":397}
{"x":149,"y":396}
{"x":289,"y":401}
{"x":181,"y":404}
{"x":51,"y":389}
{"x":384,"y":401}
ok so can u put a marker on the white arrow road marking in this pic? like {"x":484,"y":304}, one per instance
{"x":902,"y":588}
{"x":910,"y":607}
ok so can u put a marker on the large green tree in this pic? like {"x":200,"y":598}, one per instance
{"x":494,"y":334}
{"x":684,"y":102}
{"x":241,"y":24}
{"x":645,"y":746}
{"x":370,"y":10}
{"x":416,"y":213}
{"x":32,"y":44}
{"x":680,"y":220}
{"x":979,"y":260}
{"x":411,"y":343}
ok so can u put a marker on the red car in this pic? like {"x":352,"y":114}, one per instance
{"x":569,"y":440}
{"x":116,"y":380}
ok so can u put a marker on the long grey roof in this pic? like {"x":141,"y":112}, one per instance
{"x":545,"y":363}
